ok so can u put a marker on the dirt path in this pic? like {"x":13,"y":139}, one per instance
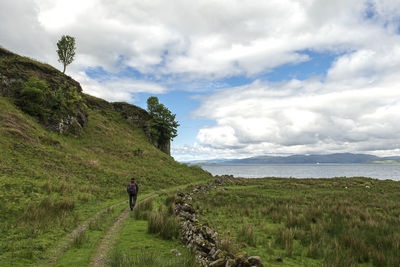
{"x":100,"y":257}
{"x":65,"y":244}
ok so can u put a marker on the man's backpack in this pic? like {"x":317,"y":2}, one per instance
{"x":132,"y":189}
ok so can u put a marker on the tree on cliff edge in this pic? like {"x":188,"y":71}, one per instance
{"x":163,"y":124}
{"x":66,"y":50}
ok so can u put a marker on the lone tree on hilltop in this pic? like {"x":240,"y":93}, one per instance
{"x":163,"y":124}
{"x":66,"y":50}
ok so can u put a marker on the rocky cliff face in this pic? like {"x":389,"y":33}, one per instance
{"x":135,"y":115}
{"x":16,"y":70}
{"x":69,"y":116}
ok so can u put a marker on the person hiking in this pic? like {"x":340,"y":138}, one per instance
{"x":132,"y":189}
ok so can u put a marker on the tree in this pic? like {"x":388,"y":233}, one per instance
{"x":66,"y":50}
{"x":163,"y":124}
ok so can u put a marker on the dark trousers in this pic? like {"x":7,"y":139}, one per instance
{"x":132,"y":201}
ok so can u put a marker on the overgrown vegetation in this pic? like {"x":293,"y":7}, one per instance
{"x":162,"y":223}
{"x":143,"y":208}
{"x":48,"y":105}
{"x":329,"y":222}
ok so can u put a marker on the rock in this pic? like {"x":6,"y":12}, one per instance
{"x":212,"y":251}
{"x":278,"y":259}
{"x":216,"y":254}
{"x":188,"y":208}
{"x":230,"y":263}
{"x":175,"y":252}
{"x":218,"y":263}
{"x":255,"y":261}
{"x":187,"y":215}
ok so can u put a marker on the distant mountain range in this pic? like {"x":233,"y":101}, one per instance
{"x":338,"y":158}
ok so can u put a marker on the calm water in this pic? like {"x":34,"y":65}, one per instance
{"x":379,"y":171}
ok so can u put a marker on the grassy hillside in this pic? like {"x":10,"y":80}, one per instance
{"x":50,"y":182}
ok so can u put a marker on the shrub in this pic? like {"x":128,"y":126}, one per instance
{"x":49,"y":105}
{"x":32,"y":97}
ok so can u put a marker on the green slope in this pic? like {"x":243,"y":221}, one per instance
{"x":50,"y":183}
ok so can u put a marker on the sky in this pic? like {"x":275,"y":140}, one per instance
{"x":244,"y":78}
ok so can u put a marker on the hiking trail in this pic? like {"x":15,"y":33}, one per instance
{"x":102,"y":251}
{"x":101,"y":256}
{"x":65,"y":244}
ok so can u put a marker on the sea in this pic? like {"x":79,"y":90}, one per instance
{"x":377,"y":171}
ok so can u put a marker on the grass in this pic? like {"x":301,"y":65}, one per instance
{"x":150,"y":236}
{"x":50,"y":183}
{"x":137,"y":247}
{"x":150,"y":259}
{"x":84,"y":242}
{"x":309,"y":222}
{"x":247,"y":235}
{"x":79,"y":239}
{"x":143,"y":208}
{"x":162,"y":223}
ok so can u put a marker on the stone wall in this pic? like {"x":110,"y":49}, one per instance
{"x":203,"y":240}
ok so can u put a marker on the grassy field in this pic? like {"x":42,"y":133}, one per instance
{"x":309,"y":222}
{"x":50,"y":183}
{"x":149,"y":236}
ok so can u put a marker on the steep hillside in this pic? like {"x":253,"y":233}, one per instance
{"x":50,"y":182}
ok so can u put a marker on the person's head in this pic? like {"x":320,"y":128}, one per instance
{"x":132,"y":179}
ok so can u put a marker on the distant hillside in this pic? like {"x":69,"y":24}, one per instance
{"x":52,"y":180}
{"x":338,"y":158}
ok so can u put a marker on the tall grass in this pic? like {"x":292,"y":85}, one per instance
{"x":162,"y":223}
{"x":170,"y":203}
{"x":247,"y":234}
{"x":79,"y":239}
{"x":311,"y":219}
{"x":285,"y":239}
{"x":142,"y":209}
{"x":150,"y":259}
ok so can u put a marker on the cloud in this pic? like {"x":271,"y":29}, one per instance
{"x":338,"y":114}
{"x":122,"y":89}
{"x":354,"y":107}
{"x":20,"y":30}
{"x":202,"y":40}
